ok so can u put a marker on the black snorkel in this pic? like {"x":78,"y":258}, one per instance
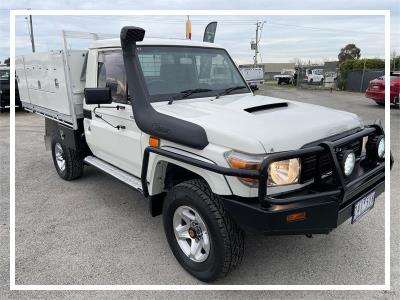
{"x":146,"y":117}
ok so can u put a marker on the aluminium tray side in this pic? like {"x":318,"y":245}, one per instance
{"x":51,"y":84}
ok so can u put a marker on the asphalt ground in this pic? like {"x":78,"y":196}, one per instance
{"x":96,"y":230}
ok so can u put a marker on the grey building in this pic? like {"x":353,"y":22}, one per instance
{"x":331,"y":66}
{"x":272,"y":69}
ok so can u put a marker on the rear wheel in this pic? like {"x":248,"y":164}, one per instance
{"x":67,"y":161}
{"x":203,"y":238}
{"x":380,"y":103}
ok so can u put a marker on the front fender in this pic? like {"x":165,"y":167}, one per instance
{"x":157,"y":167}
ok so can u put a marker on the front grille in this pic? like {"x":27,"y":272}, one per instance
{"x":309,"y":166}
{"x":309,"y":163}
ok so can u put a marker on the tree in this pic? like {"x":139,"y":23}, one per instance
{"x":351,"y":51}
{"x":298,"y":62}
{"x":395,"y":61}
{"x":7,"y":61}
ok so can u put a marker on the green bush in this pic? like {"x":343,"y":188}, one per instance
{"x":395,"y":64}
{"x":358,"y":64}
{"x":341,"y":84}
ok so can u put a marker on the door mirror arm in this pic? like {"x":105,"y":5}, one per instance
{"x":118,"y":107}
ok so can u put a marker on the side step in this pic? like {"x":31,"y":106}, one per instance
{"x":125,"y":177}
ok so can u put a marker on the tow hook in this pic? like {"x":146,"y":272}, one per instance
{"x":309,"y":236}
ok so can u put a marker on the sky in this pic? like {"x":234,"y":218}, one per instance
{"x":283,"y":38}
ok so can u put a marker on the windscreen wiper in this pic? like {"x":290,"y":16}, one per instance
{"x":186,"y":93}
{"x":228,"y":90}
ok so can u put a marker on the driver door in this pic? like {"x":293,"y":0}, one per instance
{"x":119,"y":147}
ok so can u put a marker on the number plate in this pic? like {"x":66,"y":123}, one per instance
{"x":363,"y":206}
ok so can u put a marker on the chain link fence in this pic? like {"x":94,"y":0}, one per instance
{"x":315,"y":77}
{"x":357,"y":80}
{"x":320,"y":77}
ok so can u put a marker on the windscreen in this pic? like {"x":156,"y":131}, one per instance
{"x":171,"y":71}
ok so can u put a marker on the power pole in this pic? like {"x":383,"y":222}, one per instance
{"x":256,"y":50}
{"x":30,"y":31}
{"x":32,"y":38}
{"x":255,"y":45}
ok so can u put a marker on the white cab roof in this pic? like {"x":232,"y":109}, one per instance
{"x":115,"y":43}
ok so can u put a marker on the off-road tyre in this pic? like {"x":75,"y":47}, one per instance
{"x":227,"y":239}
{"x":73,"y":161}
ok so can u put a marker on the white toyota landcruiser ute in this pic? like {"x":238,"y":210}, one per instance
{"x":211,"y":157}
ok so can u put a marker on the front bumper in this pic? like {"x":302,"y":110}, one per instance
{"x":323,"y":213}
{"x":327,"y":201}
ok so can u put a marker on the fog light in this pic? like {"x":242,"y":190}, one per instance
{"x":376,"y":148}
{"x":381,"y":148}
{"x":348,"y":162}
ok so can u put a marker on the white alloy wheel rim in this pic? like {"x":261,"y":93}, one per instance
{"x":191,"y":233}
{"x":59,"y":152}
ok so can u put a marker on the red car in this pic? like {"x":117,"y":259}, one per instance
{"x":376,"y":89}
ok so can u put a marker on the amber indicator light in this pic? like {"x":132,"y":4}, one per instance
{"x":296,"y":217}
{"x":154,"y":142}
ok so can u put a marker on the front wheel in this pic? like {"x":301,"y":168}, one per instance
{"x":203,"y":238}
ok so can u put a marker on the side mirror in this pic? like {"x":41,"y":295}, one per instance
{"x":98,"y":95}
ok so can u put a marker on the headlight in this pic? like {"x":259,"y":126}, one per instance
{"x":284,"y":172}
{"x":279,"y":173}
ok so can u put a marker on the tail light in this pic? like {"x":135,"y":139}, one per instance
{"x":377,"y":86}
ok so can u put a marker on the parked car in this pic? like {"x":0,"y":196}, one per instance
{"x":286,"y":76}
{"x":5,"y":90}
{"x":253,"y":76}
{"x":210,"y":156}
{"x":376,"y":89}
{"x":314,"y":76}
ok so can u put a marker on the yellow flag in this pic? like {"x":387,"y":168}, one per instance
{"x":188,"y":29}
